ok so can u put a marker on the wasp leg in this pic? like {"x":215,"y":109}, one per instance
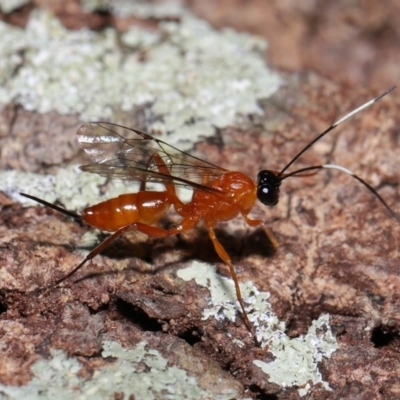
{"x":227,"y":260}
{"x":149,"y":230}
{"x":257,"y":222}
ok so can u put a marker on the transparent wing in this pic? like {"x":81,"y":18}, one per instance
{"x":125,"y":153}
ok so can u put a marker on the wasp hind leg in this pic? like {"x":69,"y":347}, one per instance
{"x":149,"y":230}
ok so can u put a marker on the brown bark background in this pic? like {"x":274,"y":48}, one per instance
{"x":339,"y":248}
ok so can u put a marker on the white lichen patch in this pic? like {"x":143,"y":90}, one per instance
{"x":139,"y":8}
{"x":222,"y":291}
{"x":190,"y":77}
{"x":296,"y":360}
{"x":7,"y":6}
{"x":94,"y":5}
{"x":140,"y":372}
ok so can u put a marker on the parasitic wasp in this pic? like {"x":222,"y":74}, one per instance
{"x":218,"y":194}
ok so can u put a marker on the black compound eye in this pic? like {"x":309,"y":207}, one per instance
{"x":268,"y":195}
{"x":268,"y":187}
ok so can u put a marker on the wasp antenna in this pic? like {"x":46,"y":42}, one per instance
{"x":348,"y":172}
{"x":367,"y":185}
{"x":334,"y":125}
{"x":53,"y":206}
{"x":367,"y":104}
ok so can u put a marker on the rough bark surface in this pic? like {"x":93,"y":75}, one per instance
{"x":339,"y":248}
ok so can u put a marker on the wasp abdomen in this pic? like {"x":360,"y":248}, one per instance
{"x":126,"y":209}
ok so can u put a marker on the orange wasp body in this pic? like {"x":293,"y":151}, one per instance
{"x":125,"y":153}
{"x":218,"y":194}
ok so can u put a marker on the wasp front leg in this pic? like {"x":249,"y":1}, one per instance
{"x":258,"y":222}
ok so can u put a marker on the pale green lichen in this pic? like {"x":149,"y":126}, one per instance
{"x":140,"y":371}
{"x":139,"y":8}
{"x":145,"y":9}
{"x":94,"y":5}
{"x":191,"y":79}
{"x":7,"y":6}
{"x":296,"y":360}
